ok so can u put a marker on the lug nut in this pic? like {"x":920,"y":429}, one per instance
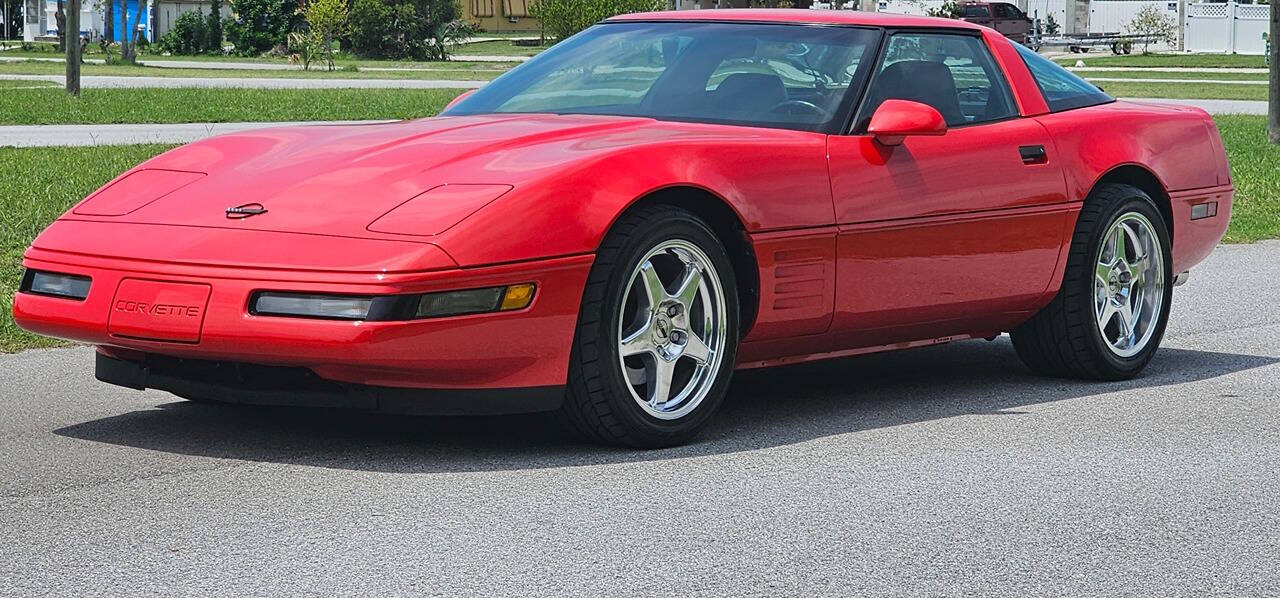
{"x":677,"y":336}
{"x":673,"y":311}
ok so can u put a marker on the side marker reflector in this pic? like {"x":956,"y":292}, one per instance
{"x":518,"y":296}
{"x":1204,"y":210}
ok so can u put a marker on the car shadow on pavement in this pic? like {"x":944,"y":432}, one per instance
{"x":765,"y":408}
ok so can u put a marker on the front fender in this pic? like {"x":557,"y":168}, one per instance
{"x":771,"y":179}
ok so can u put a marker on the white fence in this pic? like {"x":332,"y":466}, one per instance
{"x":1105,"y":16}
{"x":1210,"y":26}
{"x":1226,"y":27}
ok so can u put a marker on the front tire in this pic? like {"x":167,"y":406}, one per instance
{"x":1109,"y":316}
{"x":657,"y":333}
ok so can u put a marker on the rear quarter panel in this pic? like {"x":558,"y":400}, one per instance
{"x":1180,"y":146}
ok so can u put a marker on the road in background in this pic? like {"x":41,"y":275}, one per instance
{"x":82,"y":135}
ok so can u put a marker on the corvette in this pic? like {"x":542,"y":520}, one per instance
{"x":611,"y":229}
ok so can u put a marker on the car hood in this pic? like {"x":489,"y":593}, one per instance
{"x":337,"y":180}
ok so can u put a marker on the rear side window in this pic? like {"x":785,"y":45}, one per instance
{"x":1062,"y":89}
{"x":975,"y":11}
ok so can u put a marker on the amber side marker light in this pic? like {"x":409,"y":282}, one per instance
{"x":518,"y":296}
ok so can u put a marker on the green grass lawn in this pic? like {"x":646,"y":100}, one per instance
{"x":101,"y":106}
{"x":441,"y":70}
{"x":1191,"y":60}
{"x":1184,"y":91}
{"x":496,"y":48}
{"x":38,"y":184}
{"x":1255,"y":171}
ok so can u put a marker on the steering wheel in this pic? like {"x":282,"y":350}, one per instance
{"x":803,"y":105}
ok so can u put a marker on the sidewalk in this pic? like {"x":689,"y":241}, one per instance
{"x":125,"y":134}
{"x":1198,"y":81}
{"x":252,"y":66}
{"x":1213,"y":106}
{"x":81,"y":135}
{"x":1171,"y":69}
{"x":110,"y":81}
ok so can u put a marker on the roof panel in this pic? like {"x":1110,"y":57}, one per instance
{"x":798,"y":16}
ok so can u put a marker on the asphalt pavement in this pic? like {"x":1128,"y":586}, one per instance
{"x":949,"y":470}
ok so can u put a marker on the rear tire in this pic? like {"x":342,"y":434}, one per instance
{"x":1108,"y":318}
{"x":657,"y":333}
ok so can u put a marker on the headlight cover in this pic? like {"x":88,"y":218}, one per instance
{"x":134,"y":191}
{"x":437,"y":209}
{"x":392,"y":308}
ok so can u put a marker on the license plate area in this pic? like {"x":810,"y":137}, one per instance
{"x":158,"y":310}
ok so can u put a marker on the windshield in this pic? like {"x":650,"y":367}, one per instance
{"x":785,"y":76}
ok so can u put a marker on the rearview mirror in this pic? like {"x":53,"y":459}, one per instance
{"x":895,"y":120}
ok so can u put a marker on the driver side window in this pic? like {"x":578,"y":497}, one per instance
{"x":793,"y":81}
{"x":953,"y":73}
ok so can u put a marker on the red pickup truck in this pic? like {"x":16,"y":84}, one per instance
{"x":1001,"y":16}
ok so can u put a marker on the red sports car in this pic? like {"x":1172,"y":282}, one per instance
{"x":612,"y":228}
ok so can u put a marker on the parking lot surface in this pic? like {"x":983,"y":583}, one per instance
{"x":949,"y":470}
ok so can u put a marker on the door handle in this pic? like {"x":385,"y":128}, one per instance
{"x":1033,"y":154}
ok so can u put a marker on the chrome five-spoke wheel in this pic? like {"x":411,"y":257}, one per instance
{"x":1129,"y":284}
{"x":1109,"y":314}
{"x":671,"y":332}
{"x":657,"y":334}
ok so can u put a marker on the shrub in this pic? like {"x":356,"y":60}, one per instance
{"x":1153,"y":23}
{"x":1051,"y":26}
{"x":187,"y":36}
{"x":404,"y":29}
{"x":261,"y":25}
{"x":949,"y":10}
{"x":326,"y":21}
{"x":563,"y":18}
{"x":213,"y":28}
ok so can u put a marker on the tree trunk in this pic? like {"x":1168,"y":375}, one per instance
{"x":60,"y":18}
{"x":72,"y":42}
{"x":1273,"y":111}
{"x":127,"y":38}
{"x":109,"y":24}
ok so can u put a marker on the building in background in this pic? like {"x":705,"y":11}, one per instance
{"x":497,"y":16}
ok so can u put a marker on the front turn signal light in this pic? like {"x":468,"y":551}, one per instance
{"x":518,"y":296}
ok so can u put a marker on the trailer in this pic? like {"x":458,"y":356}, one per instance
{"x":1118,"y":43}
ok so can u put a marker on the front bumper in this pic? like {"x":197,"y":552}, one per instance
{"x":250,"y":384}
{"x":528,"y":348}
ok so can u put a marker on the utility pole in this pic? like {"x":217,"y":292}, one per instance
{"x":1182,"y":25}
{"x":1273,"y":96}
{"x":72,"y":41}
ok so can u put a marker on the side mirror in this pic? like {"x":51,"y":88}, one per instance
{"x":461,"y":96}
{"x":895,"y":120}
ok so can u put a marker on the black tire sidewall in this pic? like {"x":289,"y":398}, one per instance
{"x":1134,"y":201}
{"x":675,"y":225}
